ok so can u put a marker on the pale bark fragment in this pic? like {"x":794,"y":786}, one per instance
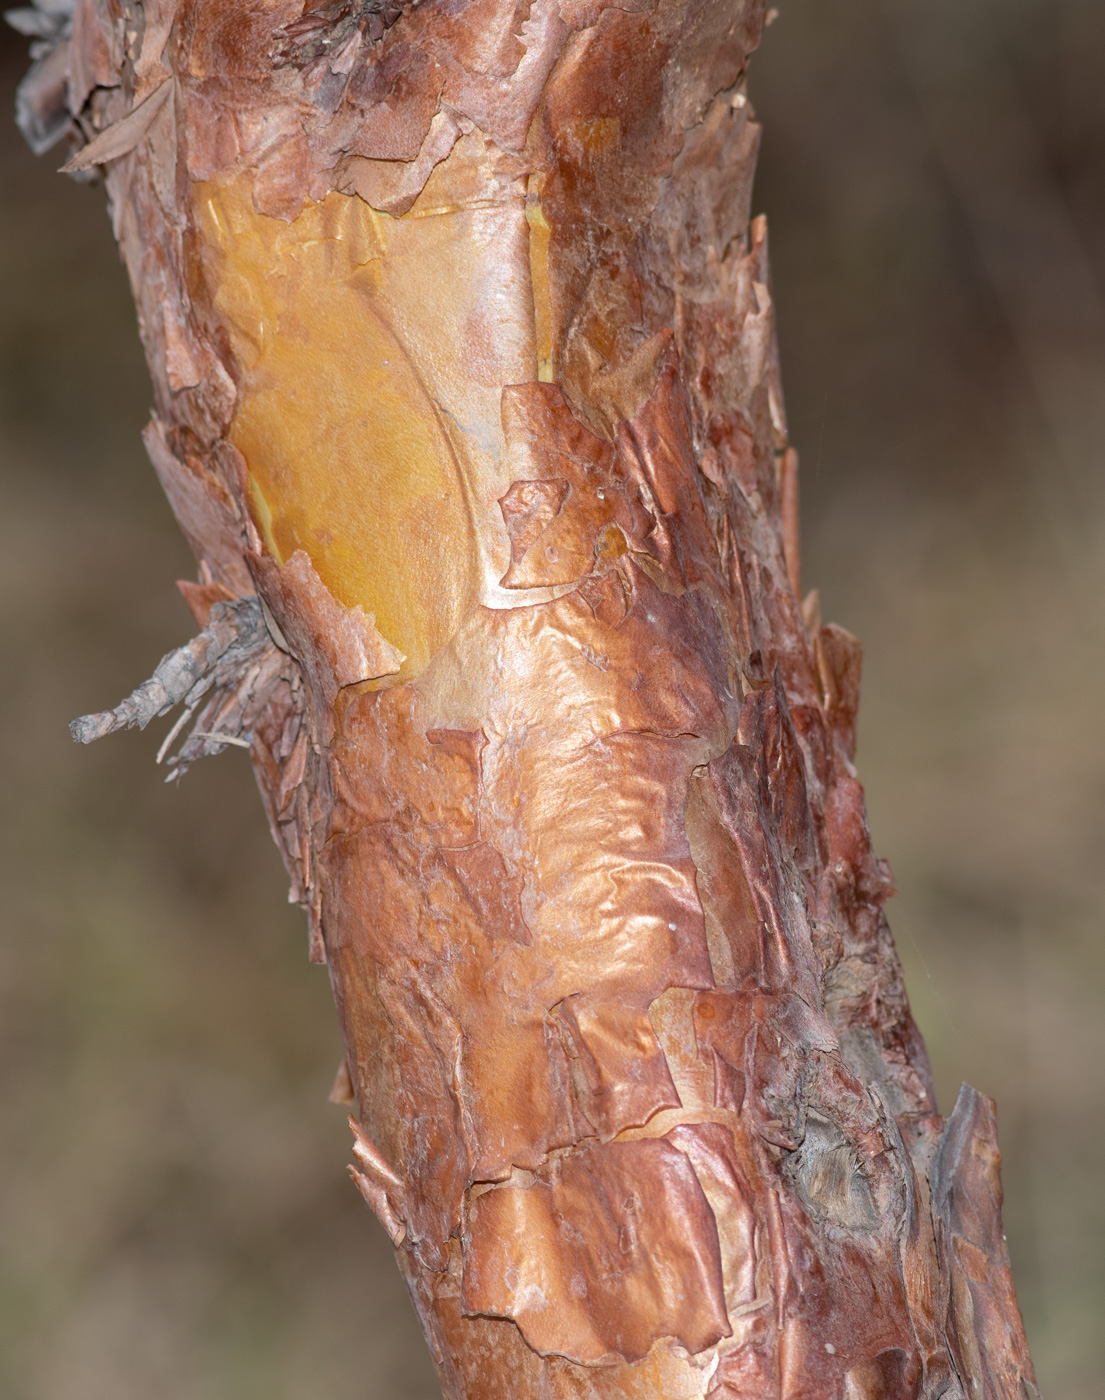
{"x":122,"y":136}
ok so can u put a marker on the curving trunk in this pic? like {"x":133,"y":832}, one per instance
{"x":467,"y":401}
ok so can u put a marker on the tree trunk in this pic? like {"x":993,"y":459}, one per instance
{"x":467,"y":401}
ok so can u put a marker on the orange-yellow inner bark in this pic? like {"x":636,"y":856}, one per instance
{"x":348,"y":455}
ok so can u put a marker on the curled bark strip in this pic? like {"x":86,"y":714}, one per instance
{"x":984,"y":1318}
{"x":381,"y":1188}
{"x":42,"y":109}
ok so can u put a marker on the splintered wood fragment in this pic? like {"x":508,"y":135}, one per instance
{"x":468,"y":403}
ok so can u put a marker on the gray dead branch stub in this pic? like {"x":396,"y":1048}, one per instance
{"x":233,"y":665}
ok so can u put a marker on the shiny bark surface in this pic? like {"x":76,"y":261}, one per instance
{"x":463,"y":353}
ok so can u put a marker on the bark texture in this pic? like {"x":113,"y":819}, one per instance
{"x":463,"y":353}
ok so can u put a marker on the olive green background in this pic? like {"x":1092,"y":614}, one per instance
{"x":175,"y":1220}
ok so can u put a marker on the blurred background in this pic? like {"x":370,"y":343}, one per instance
{"x":175,"y":1219}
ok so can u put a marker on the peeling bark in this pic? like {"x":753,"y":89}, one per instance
{"x":467,"y":396}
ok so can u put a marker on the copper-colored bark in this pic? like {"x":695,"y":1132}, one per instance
{"x":464,"y":359}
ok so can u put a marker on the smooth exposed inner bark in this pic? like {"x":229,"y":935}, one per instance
{"x":463,"y":350}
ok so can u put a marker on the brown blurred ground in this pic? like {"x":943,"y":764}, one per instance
{"x":174,"y":1216}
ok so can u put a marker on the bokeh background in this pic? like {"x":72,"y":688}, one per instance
{"x":175,"y":1219}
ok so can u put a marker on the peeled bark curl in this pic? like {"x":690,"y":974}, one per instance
{"x":463,"y":351}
